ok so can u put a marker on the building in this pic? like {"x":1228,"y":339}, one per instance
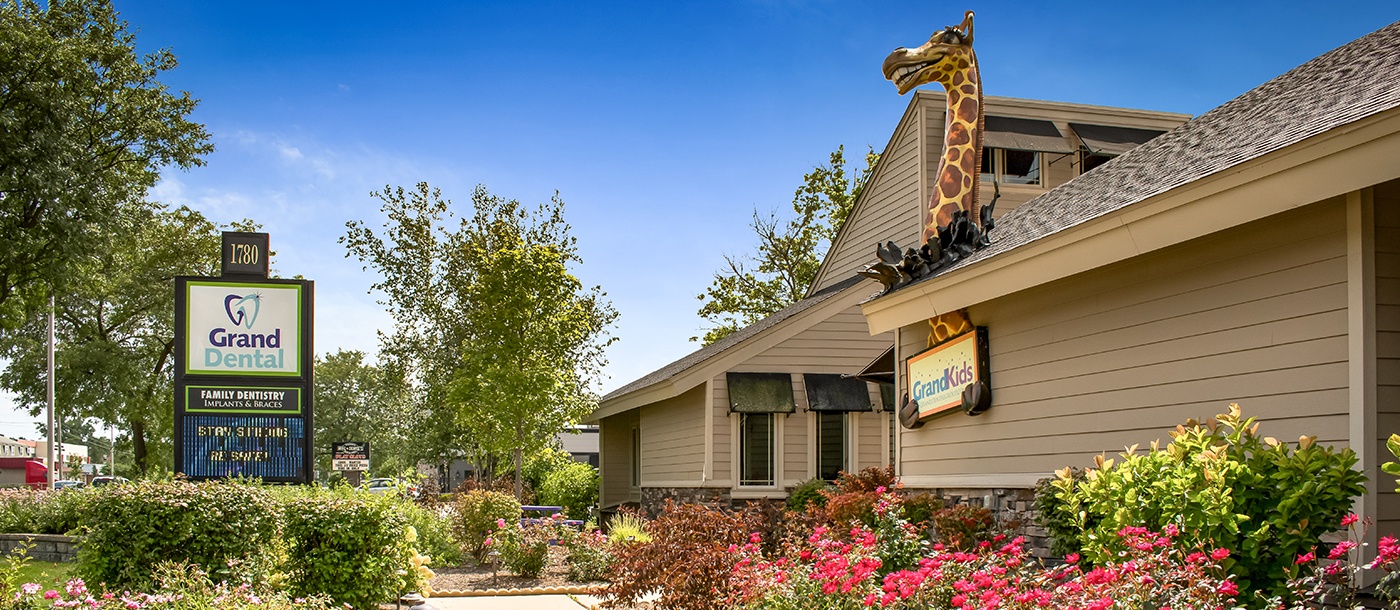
{"x":39,"y":451}
{"x":1251,"y":255}
{"x":774,"y":404}
{"x":13,"y":448}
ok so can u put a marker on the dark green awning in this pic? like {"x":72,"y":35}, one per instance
{"x":1103,"y":140}
{"x":833,"y":393}
{"x":1024,"y":134}
{"x":760,"y":393}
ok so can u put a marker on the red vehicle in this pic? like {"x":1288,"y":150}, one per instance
{"x":15,"y":472}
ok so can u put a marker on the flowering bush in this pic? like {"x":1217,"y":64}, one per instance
{"x":1151,"y":573}
{"x":1332,"y":573}
{"x":589,"y":554}
{"x":852,"y":499}
{"x":181,"y":586}
{"x":477,"y":513}
{"x":1221,"y":484}
{"x":524,"y":547}
{"x":962,"y":526}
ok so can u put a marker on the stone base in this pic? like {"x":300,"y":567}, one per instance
{"x":47,"y":548}
{"x":654,"y":498}
{"x":1012,"y":506}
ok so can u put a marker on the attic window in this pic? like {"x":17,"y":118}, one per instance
{"x":760,"y":393}
{"x":835,"y":393}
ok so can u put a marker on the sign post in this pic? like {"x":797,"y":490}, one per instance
{"x":243,"y":360}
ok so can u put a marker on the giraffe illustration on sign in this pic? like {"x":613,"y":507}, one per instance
{"x":953,"y":226}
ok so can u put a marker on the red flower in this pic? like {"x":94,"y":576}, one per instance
{"x":1350,"y":519}
{"x":1228,"y":588}
{"x":1219,"y":554}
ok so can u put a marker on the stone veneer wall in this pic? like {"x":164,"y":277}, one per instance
{"x":654,"y":498}
{"x":47,"y":547}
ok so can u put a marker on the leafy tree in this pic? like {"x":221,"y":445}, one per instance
{"x":85,"y":125}
{"x":114,"y":328}
{"x":359,"y":401}
{"x":752,"y":287}
{"x":505,"y":341}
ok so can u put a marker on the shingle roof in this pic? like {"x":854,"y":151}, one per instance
{"x":714,"y":349}
{"x":1342,"y":86}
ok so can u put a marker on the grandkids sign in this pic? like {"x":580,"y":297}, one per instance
{"x":951,"y":375}
{"x":243,"y":370}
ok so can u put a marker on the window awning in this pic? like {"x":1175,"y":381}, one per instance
{"x":760,"y":393}
{"x":1024,"y":134}
{"x":833,"y":393}
{"x":880,"y":370}
{"x":1103,"y":140}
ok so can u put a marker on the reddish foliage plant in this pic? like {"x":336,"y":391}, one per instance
{"x":687,"y":563}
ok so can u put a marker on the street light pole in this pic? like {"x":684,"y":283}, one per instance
{"x":49,"y":453}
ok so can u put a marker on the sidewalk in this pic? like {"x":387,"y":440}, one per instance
{"x":516,"y":602}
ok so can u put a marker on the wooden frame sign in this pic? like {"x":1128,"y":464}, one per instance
{"x":941,"y":378}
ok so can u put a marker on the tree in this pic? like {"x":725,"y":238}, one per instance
{"x":115,"y":328}
{"x":85,"y":125}
{"x":753,"y":287}
{"x":358,"y":401}
{"x":505,"y":341}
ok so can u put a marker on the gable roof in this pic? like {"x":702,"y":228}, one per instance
{"x":1350,"y":83}
{"x":712,"y":350}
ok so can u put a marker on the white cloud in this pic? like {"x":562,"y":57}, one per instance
{"x":290,"y":152}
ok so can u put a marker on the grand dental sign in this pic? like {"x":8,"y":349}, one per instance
{"x":243,"y":370}
{"x":237,"y":328}
{"x":952,"y":375}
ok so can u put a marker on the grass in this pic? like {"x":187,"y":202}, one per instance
{"x":47,"y":575}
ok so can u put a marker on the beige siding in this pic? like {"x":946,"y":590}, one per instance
{"x":615,"y":459}
{"x":1118,"y":356}
{"x":673,"y":440}
{"x":1387,"y":205}
{"x":871,"y":430}
{"x":723,"y":471}
{"x":887,"y":211}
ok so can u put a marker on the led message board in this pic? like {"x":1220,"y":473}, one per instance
{"x":243,"y":374}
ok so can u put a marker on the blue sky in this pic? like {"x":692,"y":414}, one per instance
{"x":662,"y":125}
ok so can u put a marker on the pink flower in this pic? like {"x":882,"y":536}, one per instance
{"x":1228,"y":588}
{"x":1307,"y":557}
{"x":487,"y":542}
{"x":500,"y":523}
{"x":1219,"y":554}
{"x":51,"y":594}
{"x":1341,"y":549}
{"x":1350,"y":519}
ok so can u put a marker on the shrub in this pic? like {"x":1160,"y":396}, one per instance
{"x":809,"y":493}
{"x":1058,"y":523}
{"x":626,"y":528}
{"x":179,"y":586}
{"x":61,"y":512}
{"x":540,"y":464}
{"x":687,"y":563}
{"x":919,"y":508}
{"x":356,"y":548}
{"x":434,"y":530}
{"x":19,"y":510}
{"x":962,"y":526}
{"x":226,"y":529}
{"x":852,"y":499}
{"x":1222,"y":485}
{"x":524,"y":547}
{"x":573,"y":486}
{"x":477,"y":512}
{"x":588,"y":553}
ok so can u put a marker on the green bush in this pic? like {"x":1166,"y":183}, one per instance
{"x":1222,"y":485}
{"x":626,"y":528}
{"x":354,"y":547}
{"x":809,"y":493}
{"x":919,"y":508}
{"x":525,"y":548}
{"x":962,"y":526}
{"x":537,"y":468}
{"x":434,"y":534}
{"x":589,"y":554}
{"x":19,"y":510}
{"x":477,"y":515}
{"x":61,"y":512}
{"x":573,"y":486}
{"x":228,"y":530}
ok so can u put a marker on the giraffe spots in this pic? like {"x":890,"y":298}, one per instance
{"x":969,"y":89}
{"x":968,"y":164}
{"x":967,"y":111}
{"x":954,"y":154}
{"x":950,"y":183}
{"x":958,"y":134}
{"x":962,"y":63}
{"x":967,"y":181}
{"x":958,"y":78}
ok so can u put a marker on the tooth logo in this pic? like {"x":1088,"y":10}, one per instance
{"x":237,"y":306}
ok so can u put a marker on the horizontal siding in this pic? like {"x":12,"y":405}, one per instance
{"x":1387,"y":207}
{"x":888,"y":211}
{"x":795,"y":440}
{"x":673,"y":439}
{"x":721,"y":435}
{"x":839,"y":344}
{"x":870,"y":439}
{"x":615,"y":458}
{"x":1121,"y":355}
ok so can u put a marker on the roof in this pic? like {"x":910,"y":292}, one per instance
{"x":1345,"y":85}
{"x":699,"y":356}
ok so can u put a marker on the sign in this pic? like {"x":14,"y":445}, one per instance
{"x":350,"y":456}
{"x":939,"y":378}
{"x":243,"y":328}
{"x":243,"y":356}
{"x":242,"y":399}
{"x":244,"y":254}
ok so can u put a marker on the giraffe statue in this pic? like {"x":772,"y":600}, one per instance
{"x":953,"y":225}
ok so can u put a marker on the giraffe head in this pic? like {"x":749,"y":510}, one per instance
{"x":944,"y":58}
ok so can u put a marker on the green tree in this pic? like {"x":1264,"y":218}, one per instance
{"x":115,"y":329}
{"x":359,"y":401}
{"x":85,"y":125}
{"x":752,"y":287}
{"x":505,"y":341}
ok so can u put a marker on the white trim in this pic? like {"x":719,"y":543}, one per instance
{"x":707,"y":471}
{"x":898,"y":383}
{"x":1327,"y":165}
{"x":976,"y":481}
{"x":674,"y":483}
{"x":757,"y":493}
{"x":1361,"y":356}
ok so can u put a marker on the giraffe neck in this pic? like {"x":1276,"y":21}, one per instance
{"x":960,"y":168}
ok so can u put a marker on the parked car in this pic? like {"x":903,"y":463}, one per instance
{"x":390,"y":485}
{"x":106,"y":480}
{"x":67,"y":483}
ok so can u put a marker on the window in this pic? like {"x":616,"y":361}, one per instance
{"x":1089,"y":160}
{"x":1010,"y":166}
{"x":636,"y":457}
{"x":831,"y":445}
{"x":756,"y":444}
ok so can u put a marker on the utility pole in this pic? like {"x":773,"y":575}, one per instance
{"x":49,"y":453}
{"x":111,"y":450}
